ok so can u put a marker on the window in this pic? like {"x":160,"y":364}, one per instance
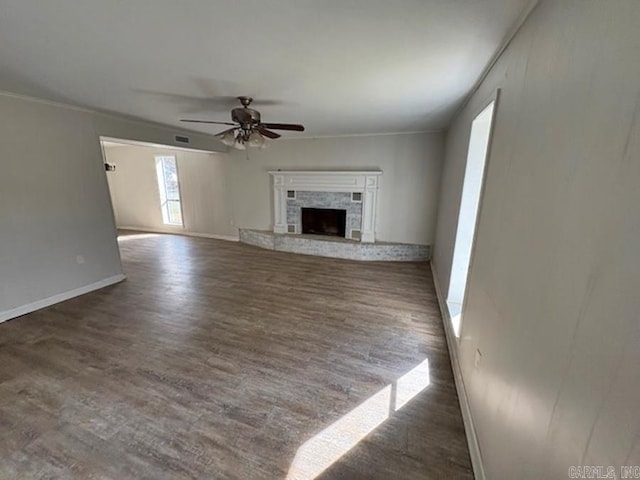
{"x":167,"y":171}
{"x":468,"y":216}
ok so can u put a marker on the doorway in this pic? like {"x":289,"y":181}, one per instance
{"x":477,"y":154}
{"x":145,"y":189}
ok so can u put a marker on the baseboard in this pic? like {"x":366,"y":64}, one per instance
{"x":60,"y":297}
{"x":452,"y":343}
{"x":229,"y":238}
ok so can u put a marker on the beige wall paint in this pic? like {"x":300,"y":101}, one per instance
{"x":553,"y":293}
{"x":55,"y":199}
{"x":55,"y":204}
{"x":132,"y":129}
{"x":409,"y":186}
{"x":203,"y":188}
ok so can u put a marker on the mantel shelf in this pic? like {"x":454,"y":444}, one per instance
{"x":325,"y":172}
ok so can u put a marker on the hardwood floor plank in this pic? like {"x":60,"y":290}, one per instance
{"x":221,"y":360}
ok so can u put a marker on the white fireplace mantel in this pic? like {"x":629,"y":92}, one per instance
{"x":365,"y":182}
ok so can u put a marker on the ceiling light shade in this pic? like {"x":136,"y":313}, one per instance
{"x":229,"y":138}
{"x":239,"y":144}
{"x":256,"y":139}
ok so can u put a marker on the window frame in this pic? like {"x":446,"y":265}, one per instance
{"x":163,"y":192}
{"x":457,"y":309}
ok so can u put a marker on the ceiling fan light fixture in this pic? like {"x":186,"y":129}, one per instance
{"x":239,"y":144}
{"x":229,"y":138}
{"x":248,"y":129}
{"x":256,"y":139}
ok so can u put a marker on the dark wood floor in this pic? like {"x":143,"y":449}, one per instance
{"x":217,"y":360}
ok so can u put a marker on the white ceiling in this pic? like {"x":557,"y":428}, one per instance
{"x":339,"y":66}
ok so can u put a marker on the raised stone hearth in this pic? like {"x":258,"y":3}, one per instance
{"x":346,"y":197}
{"x":336,"y":247}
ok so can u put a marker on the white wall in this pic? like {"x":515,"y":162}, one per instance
{"x":115,"y":126}
{"x":553,"y":295}
{"x":55,"y":205}
{"x":55,"y":200}
{"x":203,"y":188}
{"x":409,"y":186}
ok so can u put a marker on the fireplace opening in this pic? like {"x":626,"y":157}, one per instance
{"x":324,"y":221}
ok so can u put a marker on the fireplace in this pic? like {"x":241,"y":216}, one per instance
{"x":324,"y":221}
{"x":355,"y":192}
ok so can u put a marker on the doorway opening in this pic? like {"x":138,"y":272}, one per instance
{"x":144,"y":181}
{"x":469,"y":208}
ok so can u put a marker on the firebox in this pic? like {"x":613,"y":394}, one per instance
{"x":324,"y":221}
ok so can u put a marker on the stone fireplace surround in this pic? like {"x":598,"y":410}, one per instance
{"x":293,"y":190}
{"x":330,"y":200}
{"x":356,"y":192}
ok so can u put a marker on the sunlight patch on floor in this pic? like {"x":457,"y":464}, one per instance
{"x":328,"y":446}
{"x":137,"y":236}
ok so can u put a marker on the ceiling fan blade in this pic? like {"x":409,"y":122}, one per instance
{"x":208,"y":121}
{"x":268,"y":133}
{"x":220,"y":134}
{"x":284,"y":126}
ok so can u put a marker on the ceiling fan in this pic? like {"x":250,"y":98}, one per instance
{"x":248,"y":129}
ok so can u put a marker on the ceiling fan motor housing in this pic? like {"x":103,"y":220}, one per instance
{"x":245,"y":116}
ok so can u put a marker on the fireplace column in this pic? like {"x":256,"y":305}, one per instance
{"x":369,"y":200}
{"x":279,"y":205}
